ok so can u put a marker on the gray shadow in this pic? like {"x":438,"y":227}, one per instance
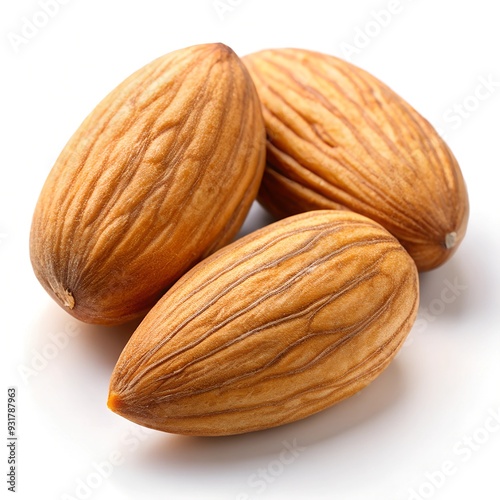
{"x":465,"y":284}
{"x":257,"y":217}
{"x":98,"y":344}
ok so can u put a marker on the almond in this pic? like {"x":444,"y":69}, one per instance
{"x":159,"y":175}
{"x":338,"y":138}
{"x":274,"y":327}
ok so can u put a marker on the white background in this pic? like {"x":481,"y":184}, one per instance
{"x":432,"y":409}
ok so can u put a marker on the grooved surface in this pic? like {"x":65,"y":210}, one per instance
{"x":339,"y":138}
{"x":271,"y":328}
{"x":159,"y":175}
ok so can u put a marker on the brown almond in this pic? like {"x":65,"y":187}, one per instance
{"x":270,"y":329}
{"x":159,"y":175}
{"x":338,"y":138}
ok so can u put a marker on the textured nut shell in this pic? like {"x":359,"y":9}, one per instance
{"x":340,"y":138}
{"x":159,"y":175}
{"x":270,"y":329}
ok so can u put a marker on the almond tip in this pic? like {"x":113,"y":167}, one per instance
{"x":114,"y":402}
{"x":450,"y":240}
{"x":64,"y":295}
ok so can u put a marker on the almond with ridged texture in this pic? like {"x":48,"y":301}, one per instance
{"x":274,"y":327}
{"x":339,"y":138}
{"x":159,"y":175}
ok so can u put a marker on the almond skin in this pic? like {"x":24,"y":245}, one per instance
{"x":270,"y":329}
{"x":338,"y":138}
{"x":158,"y":176}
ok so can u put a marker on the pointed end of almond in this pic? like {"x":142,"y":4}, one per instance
{"x":64,"y":295}
{"x":450,"y":240}
{"x":114,"y":402}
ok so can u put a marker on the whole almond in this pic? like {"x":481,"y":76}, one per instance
{"x":159,"y":175}
{"x":338,"y":138}
{"x":270,"y":329}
